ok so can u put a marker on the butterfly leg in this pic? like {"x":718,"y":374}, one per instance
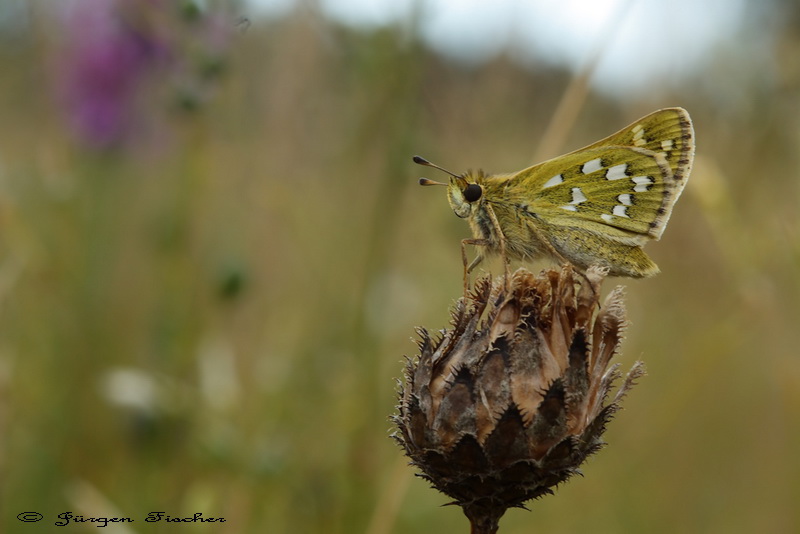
{"x":469,"y":266}
{"x":502,"y":239}
{"x":560,"y":258}
{"x":549,"y":246}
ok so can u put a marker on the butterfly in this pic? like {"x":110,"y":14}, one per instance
{"x":597,"y":205}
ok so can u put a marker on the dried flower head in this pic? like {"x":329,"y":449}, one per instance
{"x":499,"y":410}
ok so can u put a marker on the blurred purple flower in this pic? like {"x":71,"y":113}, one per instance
{"x":103,"y":63}
{"x":114,"y":48}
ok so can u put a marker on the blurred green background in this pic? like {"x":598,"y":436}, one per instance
{"x":213,"y":253}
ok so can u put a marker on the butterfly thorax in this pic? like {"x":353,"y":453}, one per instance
{"x":497,"y":192}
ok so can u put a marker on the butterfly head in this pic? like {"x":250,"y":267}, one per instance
{"x":462,"y":194}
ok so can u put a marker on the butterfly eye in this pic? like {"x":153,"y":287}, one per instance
{"x":472,"y":192}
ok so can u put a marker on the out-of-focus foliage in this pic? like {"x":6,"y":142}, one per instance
{"x":213,"y":252}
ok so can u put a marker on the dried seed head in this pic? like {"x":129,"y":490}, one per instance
{"x":499,"y":410}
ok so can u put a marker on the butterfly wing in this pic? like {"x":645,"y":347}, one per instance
{"x":623,"y":187}
{"x":668,"y":131}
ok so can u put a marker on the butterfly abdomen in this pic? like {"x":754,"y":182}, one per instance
{"x":582,"y":249}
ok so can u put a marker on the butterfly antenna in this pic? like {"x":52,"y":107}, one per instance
{"x":419,"y":160}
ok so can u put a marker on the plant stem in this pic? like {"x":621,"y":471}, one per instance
{"x":483,"y":519}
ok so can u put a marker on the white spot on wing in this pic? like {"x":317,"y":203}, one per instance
{"x":606,"y":217}
{"x":617,"y":172}
{"x":555,"y":180}
{"x":624,"y":199}
{"x":620,"y":211}
{"x":569,"y":207}
{"x":642,"y":183}
{"x":591,"y":166}
{"x":666,"y":144}
{"x":638,"y":134}
{"x":578,"y":196}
